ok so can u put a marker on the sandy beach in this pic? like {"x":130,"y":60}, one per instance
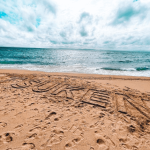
{"x":68,"y":111}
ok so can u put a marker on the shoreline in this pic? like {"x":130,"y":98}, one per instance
{"x":140,"y":83}
{"x":22,"y":71}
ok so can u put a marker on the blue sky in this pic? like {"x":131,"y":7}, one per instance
{"x":98,"y":24}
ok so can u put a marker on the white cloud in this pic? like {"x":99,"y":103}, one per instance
{"x":108,"y":24}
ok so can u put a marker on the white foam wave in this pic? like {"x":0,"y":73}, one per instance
{"x":78,"y":69}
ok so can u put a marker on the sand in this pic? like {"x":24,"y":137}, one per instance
{"x":66,"y":111}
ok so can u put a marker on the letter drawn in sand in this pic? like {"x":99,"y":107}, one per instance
{"x":21,"y":84}
{"x":141,"y":108}
{"x":120,"y":103}
{"x":136,"y":105}
{"x":62,"y":89}
{"x":44,"y":87}
{"x":96,"y":97}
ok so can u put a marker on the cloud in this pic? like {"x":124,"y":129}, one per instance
{"x":108,"y":24}
{"x":49,"y":6}
{"x":83,"y":16}
{"x":83,"y":32}
{"x":128,"y":11}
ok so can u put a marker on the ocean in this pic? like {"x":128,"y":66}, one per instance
{"x":106,"y":62}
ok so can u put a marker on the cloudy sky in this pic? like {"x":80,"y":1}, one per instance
{"x":97,"y":24}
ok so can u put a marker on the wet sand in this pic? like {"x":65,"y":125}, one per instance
{"x":67,"y":111}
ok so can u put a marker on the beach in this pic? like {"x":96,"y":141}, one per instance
{"x":74,"y":75}
{"x":70,"y":111}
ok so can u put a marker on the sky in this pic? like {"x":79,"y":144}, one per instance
{"x":91,"y":24}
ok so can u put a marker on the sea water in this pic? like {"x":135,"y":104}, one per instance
{"x":106,"y":62}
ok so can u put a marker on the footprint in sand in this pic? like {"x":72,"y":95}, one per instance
{"x":72,"y":143}
{"x":56,"y":119}
{"x":101,"y":115}
{"x":51,"y":114}
{"x":28,"y":146}
{"x":57,"y":131}
{"x":56,"y":137}
{"x":19,"y":126}
{"x":101,"y":144}
{"x":68,"y":145}
{"x":6,"y":138}
{"x":36,"y":129}
{"x":131,"y":129}
{"x":33,"y":136}
{"x":3,"y":124}
{"x":76,"y":140}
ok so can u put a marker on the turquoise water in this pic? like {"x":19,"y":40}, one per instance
{"x":79,"y":61}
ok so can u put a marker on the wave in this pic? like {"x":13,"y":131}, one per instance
{"x":10,"y":62}
{"x":127,"y":69}
{"x":78,"y":69}
{"x":126,"y":61}
{"x":142,"y":68}
{"x":20,"y":62}
{"x":119,"y":69}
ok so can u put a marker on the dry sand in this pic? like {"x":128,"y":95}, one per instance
{"x":57,"y":111}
